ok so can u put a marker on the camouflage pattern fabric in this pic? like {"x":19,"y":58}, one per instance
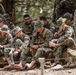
{"x":28,"y":29}
{"x":42,"y":39}
{"x":22,"y":43}
{"x":64,"y":41}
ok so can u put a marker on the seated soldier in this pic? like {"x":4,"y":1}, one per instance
{"x":64,"y":40}
{"x":28,"y":26}
{"x":8,"y":21}
{"x":68,"y":17}
{"x":20,"y":43}
{"x":5,"y":41}
{"x":2,"y":23}
{"x":70,"y":22}
{"x":39,"y":43}
{"x":47,"y":24}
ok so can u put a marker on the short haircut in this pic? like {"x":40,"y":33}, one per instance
{"x":26,"y":15}
{"x":43,"y":18}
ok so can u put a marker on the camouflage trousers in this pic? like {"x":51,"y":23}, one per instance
{"x":41,"y":52}
{"x":4,"y":52}
{"x":68,"y":43}
{"x":25,"y":53}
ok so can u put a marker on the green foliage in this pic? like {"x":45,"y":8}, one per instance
{"x":34,"y":12}
{"x":35,"y":8}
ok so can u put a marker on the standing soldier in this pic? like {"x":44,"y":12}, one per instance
{"x":28,"y":26}
{"x":64,"y":40}
{"x":39,"y":43}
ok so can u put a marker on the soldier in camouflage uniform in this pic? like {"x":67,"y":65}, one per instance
{"x":47,"y":24}
{"x":4,"y":20}
{"x":70,"y":21}
{"x":6,"y":40}
{"x":39,"y":42}
{"x":28,"y":26}
{"x":2,"y":24}
{"x":20,"y":44}
{"x":8,"y":21}
{"x":64,"y":40}
{"x":68,"y":18}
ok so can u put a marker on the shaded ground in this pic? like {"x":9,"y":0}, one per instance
{"x":38,"y":72}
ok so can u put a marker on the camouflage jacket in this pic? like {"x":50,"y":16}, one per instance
{"x":21,"y":42}
{"x":42,"y":39}
{"x":28,"y":29}
{"x":64,"y":34}
{"x":6,"y":40}
{"x":50,"y":26}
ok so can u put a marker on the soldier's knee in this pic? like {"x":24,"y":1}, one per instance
{"x":18,"y":41}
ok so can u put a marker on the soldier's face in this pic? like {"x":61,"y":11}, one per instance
{"x":18,"y":34}
{"x":2,"y":34}
{"x":27,"y":21}
{"x":38,"y":29}
{"x":45,"y":21}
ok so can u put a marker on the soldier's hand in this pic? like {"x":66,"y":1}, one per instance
{"x":62,"y":27}
{"x":56,"y":34}
{"x":1,"y":46}
{"x":52,"y":44}
{"x":31,"y":49}
{"x":35,"y":46}
{"x":53,"y":40}
{"x":16,"y":53}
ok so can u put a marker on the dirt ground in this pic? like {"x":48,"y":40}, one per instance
{"x":38,"y":72}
